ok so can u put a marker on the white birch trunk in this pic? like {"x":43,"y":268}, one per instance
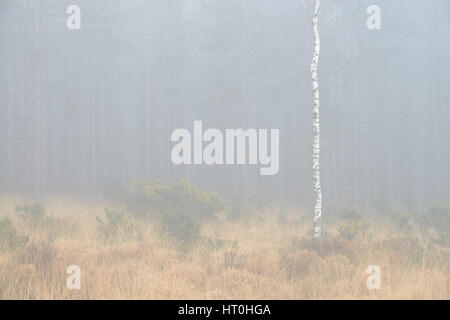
{"x":93,"y":133}
{"x":12,"y":104}
{"x":317,"y":190}
{"x":37,"y":104}
{"x":147,"y":101}
{"x":94,"y":119}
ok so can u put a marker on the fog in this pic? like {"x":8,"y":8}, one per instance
{"x":88,"y":111}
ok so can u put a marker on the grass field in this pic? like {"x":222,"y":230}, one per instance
{"x":268,"y":255}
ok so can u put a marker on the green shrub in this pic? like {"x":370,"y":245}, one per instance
{"x":351,"y":224}
{"x":179,"y":207}
{"x":31,"y":214}
{"x":238,"y":209}
{"x":118,"y":227}
{"x":437,"y":217}
{"x":9,"y":237}
{"x":402,"y":220}
{"x":349,"y":229}
{"x":36,"y":218}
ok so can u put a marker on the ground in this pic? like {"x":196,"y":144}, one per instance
{"x":268,"y":255}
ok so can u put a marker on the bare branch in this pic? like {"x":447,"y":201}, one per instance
{"x":333,"y":17}
{"x":306,"y":5}
{"x":335,"y":26}
{"x":317,"y":8}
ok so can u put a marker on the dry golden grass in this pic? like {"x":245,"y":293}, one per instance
{"x":262,"y":257}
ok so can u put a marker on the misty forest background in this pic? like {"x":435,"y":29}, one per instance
{"x":88,"y":111}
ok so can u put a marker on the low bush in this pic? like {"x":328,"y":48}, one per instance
{"x":9,"y":236}
{"x":36,"y":219}
{"x":351,"y":224}
{"x":118,"y":227}
{"x":402,"y":220}
{"x":349,"y":229}
{"x":238,"y":209}
{"x":180,"y":207}
{"x":437,"y":216}
{"x":33,"y":215}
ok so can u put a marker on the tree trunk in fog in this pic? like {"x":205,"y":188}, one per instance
{"x":147,"y":100}
{"x":317,"y":190}
{"x":37,"y":104}
{"x":93,"y":118}
{"x":11,"y":113}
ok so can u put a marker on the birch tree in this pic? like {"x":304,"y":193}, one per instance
{"x":312,"y":8}
{"x":37,"y":112}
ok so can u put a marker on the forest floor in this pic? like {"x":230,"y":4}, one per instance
{"x":268,"y":255}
